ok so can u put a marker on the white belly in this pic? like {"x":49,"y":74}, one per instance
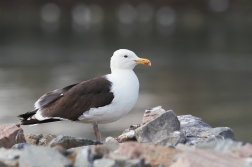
{"x":125,"y":88}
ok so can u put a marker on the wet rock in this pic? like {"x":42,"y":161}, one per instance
{"x":70,"y":142}
{"x":20,"y":146}
{"x":163,"y":130}
{"x":196,"y":131}
{"x":37,"y":156}
{"x":153,"y":155}
{"x":11,"y":134}
{"x":39,"y":139}
{"x":105,"y":162}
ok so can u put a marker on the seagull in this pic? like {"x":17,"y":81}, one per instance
{"x":96,"y":101}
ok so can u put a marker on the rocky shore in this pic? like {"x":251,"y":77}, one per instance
{"x":162,"y":139}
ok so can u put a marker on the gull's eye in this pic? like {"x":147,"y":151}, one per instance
{"x":125,"y":56}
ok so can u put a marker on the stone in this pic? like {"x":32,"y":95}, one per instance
{"x":153,"y":155}
{"x":39,"y":139}
{"x":20,"y":146}
{"x":125,"y":161}
{"x":9,"y":157}
{"x":38,"y":156}
{"x":220,"y":145}
{"x":3,"y":164}
{"x":151,"y":114}
{"x":11,"y":134}
{"x":105,"y":162}
{"x":196,"y":131}
{"x":221,"y":132}
{"x":128,"y":134}
{"x":71,"y":142}
{"x":83,"y":157}
{"x":111,"y":144}
{"x":205,"y":158}
{"x":244,"y":152}
{"x":160,"y":131}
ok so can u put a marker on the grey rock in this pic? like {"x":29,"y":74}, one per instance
{"x":196,"y":131}
{"x":105,"y":162}
{"x":111,"y":143}
{"x":70,"y":142}
{"x":83,"y":157}
{"x":222,"y":145}
{"x":20,"y":146}
{"x":160,"y":131}
{"x":37,"y":156}
{"x":173,"y":139}
{"x":221,"y":132}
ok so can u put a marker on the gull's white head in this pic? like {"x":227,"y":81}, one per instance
{"x":126,"y":59}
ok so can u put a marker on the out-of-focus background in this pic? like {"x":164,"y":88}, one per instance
{"x":200,"y":53}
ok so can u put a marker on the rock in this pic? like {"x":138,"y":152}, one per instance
{"x":2,"y":164}
{"x":20,"y":146}
{"x":244,"y":152}
{"x":39,"y":139}
{"x":125,"y":161}
{"x":221,"y":145}
{"x":105,"y":162}
{"x":205,"y":158}
{"x":196,"y":131}
{"x":99,"y":151}
{"x":151,"y":114}
{"x":11,"y":134}
{"x":70,"y":142}
{"x":128,"y":134}
{"x":153,"y":155}
{"x":37,"y":156}
{"x":163,"y":130}
{"x":60,"y":149}
{"x":111,"y":144}
{"x":9,"y":157}
{"x":83,"y":157}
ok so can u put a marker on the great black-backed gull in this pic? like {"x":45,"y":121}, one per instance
{"x":100,"y":100}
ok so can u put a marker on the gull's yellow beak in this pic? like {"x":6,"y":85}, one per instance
{"x":145,"y":62}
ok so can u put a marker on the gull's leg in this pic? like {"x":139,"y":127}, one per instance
{"x":96,"y":132}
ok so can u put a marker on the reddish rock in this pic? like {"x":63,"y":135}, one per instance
{"x":11,"y":134}
{"x":153,"y":155}
{"x":208,"y":158}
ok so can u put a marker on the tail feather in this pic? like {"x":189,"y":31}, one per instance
{"x":35,"y":121}
{"x":29,"y":119}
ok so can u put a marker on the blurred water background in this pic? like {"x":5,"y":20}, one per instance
{"x":200,"y":53}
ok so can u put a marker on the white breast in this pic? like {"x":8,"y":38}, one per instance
{"x":125,"y":86}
